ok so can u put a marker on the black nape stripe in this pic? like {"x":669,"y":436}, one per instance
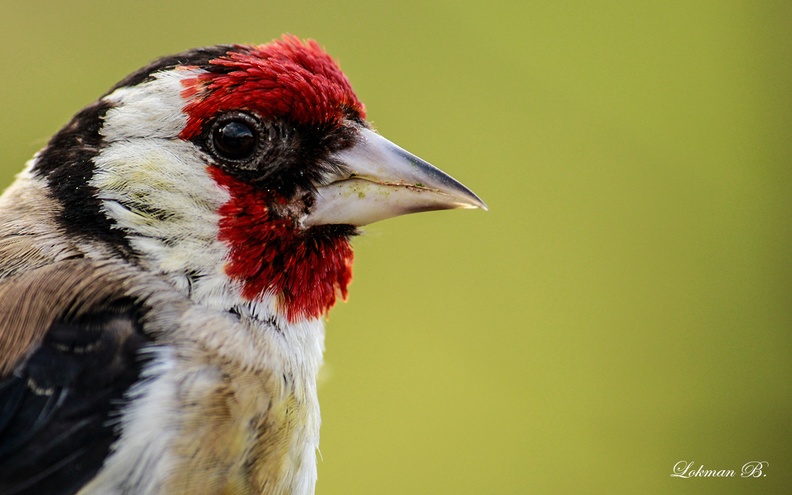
{"x":67,"y":161}
{"x":67,"y":165}
{"x":199,"y":57}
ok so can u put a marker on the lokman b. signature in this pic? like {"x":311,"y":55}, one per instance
{"x":751,"y":469}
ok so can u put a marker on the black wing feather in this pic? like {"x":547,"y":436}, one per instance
{"x":58,"y":409}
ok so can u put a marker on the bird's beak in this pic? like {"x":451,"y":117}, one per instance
{"x":382,"y":181}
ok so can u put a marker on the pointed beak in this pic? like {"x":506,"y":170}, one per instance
{"x":382,"y":181}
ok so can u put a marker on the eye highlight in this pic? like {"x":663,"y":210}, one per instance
{"x":234,"y":137}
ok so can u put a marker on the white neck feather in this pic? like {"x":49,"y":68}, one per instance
{"x":155,"y":186}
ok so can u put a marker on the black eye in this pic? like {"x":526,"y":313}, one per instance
{"x":234,"y":140}
{"x":235,"y":137}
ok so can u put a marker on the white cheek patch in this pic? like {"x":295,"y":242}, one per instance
{"x":155,"y":187}
{"x":162,"y":181}
{"x":159,"y":192}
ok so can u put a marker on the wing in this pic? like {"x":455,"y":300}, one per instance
{"x":70,"y":342}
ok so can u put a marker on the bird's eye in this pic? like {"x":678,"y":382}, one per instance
{"x":235,"y":137}
{"x":234,"y":140}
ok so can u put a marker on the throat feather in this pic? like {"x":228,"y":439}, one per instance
{"x":306,"y":270}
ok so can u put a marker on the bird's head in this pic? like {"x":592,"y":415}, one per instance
{"x":240,"y":172}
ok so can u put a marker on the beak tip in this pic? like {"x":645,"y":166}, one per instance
{"x":477,"y":204}
{"x":472,"y":201}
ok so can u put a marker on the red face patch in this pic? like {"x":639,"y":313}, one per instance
{"x":307,"y":270}
{"x":287,"y":78}
{"x":296,"y":81}
{"x":270,"y":255}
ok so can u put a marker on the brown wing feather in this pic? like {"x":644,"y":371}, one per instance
{"x":71,"y":342}
{"x":30,"y":302}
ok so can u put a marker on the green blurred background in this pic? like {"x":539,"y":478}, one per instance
{"x":625,"y":303}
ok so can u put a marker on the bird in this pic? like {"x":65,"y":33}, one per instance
{"x":167,"y":263}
